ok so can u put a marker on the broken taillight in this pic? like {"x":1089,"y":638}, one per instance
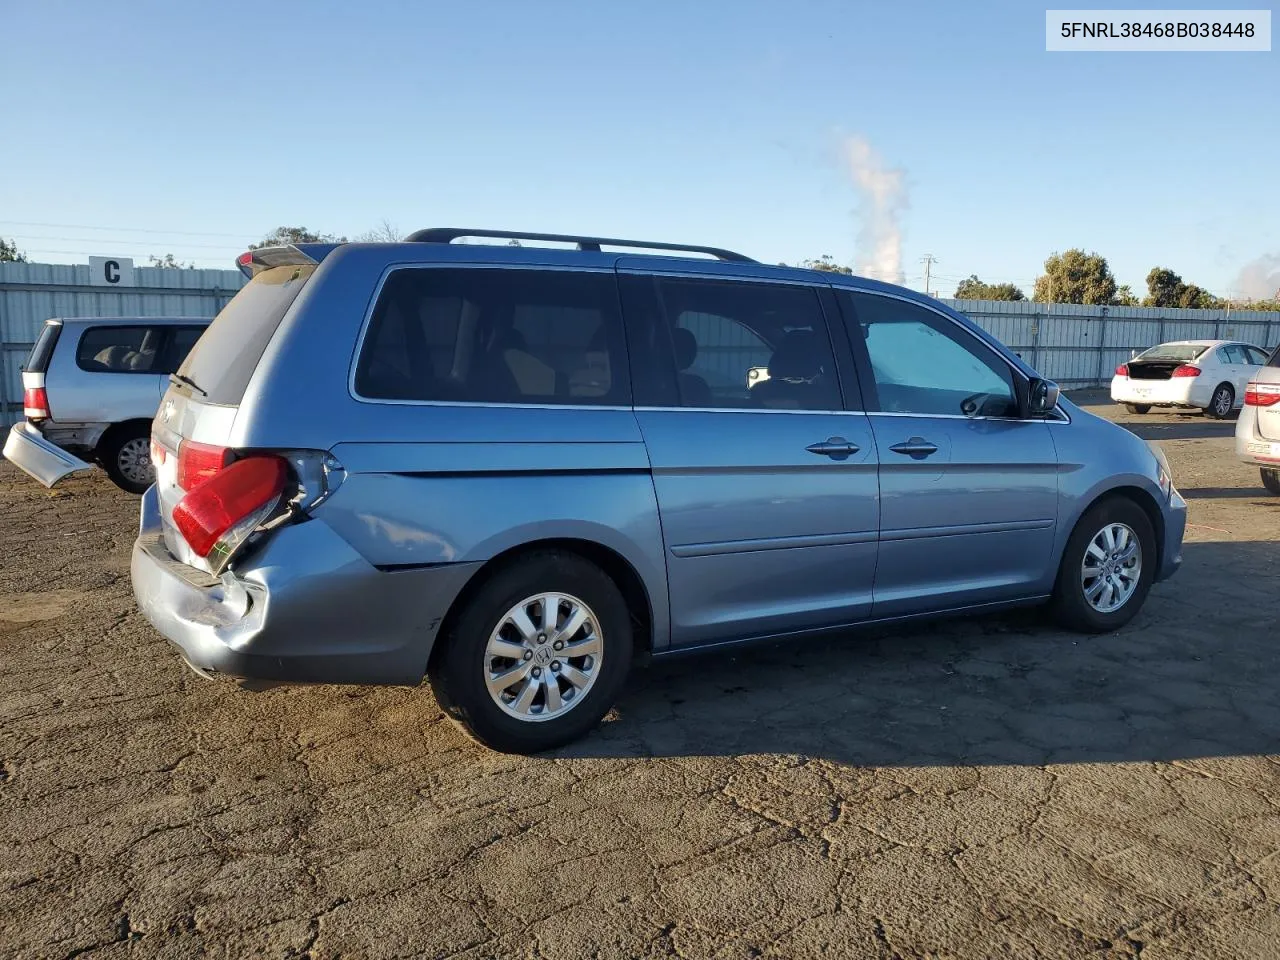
{"x":219,"y":514}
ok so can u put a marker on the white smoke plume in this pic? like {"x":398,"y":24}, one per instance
{"x":883,"y":195}
{"x":1259,"y":279}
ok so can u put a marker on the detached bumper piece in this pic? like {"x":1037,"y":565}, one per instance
{"x":35,"y":456}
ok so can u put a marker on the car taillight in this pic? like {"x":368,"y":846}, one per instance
{"x":1262,"y":395}
{"x":219,"y":515}
{"x":1187,"y":370}
{"x":35,"y":403}
{"x":1122,"y":370}
{"x":197,"y":462}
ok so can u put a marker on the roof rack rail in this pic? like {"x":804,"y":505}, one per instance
{"x":449,"y":234}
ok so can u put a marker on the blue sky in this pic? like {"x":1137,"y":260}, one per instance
{"x":713,"y":122}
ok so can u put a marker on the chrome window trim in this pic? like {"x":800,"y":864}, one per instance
{"x":961,"y":416}
{"x":450,"y":265}
{"x":837,"y":413}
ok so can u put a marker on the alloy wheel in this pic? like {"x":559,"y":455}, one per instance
{"x":1111,"y":568}
{"x":543,"y":657}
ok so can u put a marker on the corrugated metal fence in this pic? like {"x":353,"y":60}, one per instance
{"x":1077,"y":346}
{"x":1081,"y":346}
{"x":31,"y":293}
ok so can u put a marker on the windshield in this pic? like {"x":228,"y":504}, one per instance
{"x":1181,"y":352}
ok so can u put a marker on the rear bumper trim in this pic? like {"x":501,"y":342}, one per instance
{"x":28,"y":450}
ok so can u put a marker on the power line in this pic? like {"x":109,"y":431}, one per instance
{"x":113,"y":241}
{"x":86,"y":226}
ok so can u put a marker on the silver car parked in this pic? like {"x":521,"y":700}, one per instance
{"x":1258,"y":429}
{"x":91,"y":387}
{"x":516,"y":469}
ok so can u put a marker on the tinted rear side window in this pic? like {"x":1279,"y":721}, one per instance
{"x":120,"y":349}
{"x":181,"y":340}
{"x":495,"y":336}
{"x":225,"y":356}
{"x":38,"y":362}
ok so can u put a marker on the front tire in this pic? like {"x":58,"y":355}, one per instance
{"x":1138,"y":408}
{"x":1271,"y":480}
{"x":1107,"y":568}
{"x":537,"y":656}
{"x":125,"y":453}
{"x":1221,"y":403}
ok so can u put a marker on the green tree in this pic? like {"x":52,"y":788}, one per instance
{"x":170,"y":263}
{"x":1076,"y":277}
{"x":1166,"y":289}
{"x":1125,"y":297}
{"x":826,"y":263}
{"x":10,"y":253}
{"x":975,"y":289}
{"x":284,"y":236}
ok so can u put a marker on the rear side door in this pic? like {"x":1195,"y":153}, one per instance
{"x":108,"y":373}
{"x":1237,"y":368}
{"x":968,"y":489}
{"x":766,"y":482}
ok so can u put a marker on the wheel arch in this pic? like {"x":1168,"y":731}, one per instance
{"x":620,"y":570}
{"x":109,"y":435}
{"x":1139,"y":496}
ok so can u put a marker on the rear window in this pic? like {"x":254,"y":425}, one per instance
{"x":120,"y":349}
{"x":38,"y":362}
{"x":226,"y":354}
{"x":1182,"y":352}
{"x":495,"y":336}
{"x":1275,"y":358}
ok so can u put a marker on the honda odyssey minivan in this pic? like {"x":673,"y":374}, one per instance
{"x":515,"y":470}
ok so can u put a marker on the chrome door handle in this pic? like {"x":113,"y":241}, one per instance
{"x":837,"y":448}
{"x":917,"y":448}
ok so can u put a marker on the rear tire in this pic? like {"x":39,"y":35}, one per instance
{"x":1072,"y":605}
{"x":1271,"y":480}
{"x":512,"y":719}
{"x":1138,"y":408}
{"x":1221,"y":403}
{"x":125,"y":453}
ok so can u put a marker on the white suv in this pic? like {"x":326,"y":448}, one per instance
{"x":91,"y":388}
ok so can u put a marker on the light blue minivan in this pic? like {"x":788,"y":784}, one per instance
{"x":517,"y":469}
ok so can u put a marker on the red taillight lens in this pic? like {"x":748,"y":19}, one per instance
{"x":1187,"y":370}
{"x":246,"y":490}
{"x":1122,"y":370}
{"x":197,"y":462}
{"x":1262,"y":395}
{"x":35,"y":403}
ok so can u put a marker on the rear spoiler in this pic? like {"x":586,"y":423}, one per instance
{"x":252,"y":262}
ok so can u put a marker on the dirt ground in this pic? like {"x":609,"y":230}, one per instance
{"x":983,"y":788}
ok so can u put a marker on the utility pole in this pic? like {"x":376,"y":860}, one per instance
{"x":928,"y":260}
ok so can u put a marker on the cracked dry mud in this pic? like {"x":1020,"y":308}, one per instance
{"x":982,"y":788}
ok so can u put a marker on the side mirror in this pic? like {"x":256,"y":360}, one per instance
{"x":757,"y":375}
{"x":1043,"y":396}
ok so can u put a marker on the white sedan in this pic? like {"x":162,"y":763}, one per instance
{"x":1210,"y":375}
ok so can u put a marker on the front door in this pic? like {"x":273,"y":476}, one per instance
{"x":766,"y":484}
{"x":968,"y":489}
